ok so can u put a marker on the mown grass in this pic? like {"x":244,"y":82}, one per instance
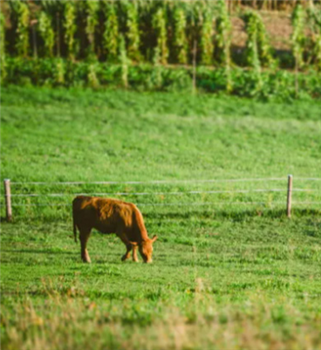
{"x":224,"y":276}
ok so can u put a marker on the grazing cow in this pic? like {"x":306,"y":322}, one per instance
{"x":109,"y":215}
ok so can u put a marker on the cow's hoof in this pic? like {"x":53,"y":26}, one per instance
{"x":124,"y":258}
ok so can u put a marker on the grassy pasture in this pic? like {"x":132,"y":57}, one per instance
{"x":226,"y":275}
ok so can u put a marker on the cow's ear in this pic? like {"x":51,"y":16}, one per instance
{"x":154,"y":239}
{"x":134,"y":244}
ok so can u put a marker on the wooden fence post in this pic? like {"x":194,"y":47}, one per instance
{"x":289,"y":197}
{"x":7,"y":194}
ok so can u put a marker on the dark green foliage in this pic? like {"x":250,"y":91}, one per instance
{"x":278,"y":85}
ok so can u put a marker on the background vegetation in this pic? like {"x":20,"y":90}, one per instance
{"x":226,"y":275}
{"x":125,"y":36}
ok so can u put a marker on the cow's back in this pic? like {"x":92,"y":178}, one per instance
{"x":107,"y":215}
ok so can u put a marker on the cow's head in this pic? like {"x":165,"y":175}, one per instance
{"x":146,"y":249}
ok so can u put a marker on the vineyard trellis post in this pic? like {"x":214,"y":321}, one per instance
{"x":289,"y":196}
{"x":34,"y":38}
{"x":7,"y":194}
{"x":194,"y":65}
{"x":58,"y":33}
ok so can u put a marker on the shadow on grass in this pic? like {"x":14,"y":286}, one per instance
{"x":235,"y":215}
{"x":37,"y":251}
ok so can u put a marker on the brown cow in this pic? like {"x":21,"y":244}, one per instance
{"x":109,"y":215}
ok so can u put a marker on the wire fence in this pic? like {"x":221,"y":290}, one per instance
{"x":153,"y":182}
{"x":148,"y":182}
{"x":179,"y":204}
{"x":25,"y":195}
{"x":144,"y":193}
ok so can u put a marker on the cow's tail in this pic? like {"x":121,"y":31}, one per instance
{"x":75,"y":227}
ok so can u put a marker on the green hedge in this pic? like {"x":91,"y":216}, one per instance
{"x":280,"y":85}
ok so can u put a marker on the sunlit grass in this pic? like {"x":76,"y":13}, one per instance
{"x":226,"y":274}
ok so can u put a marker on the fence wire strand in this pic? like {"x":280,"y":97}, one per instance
{"x":154,"y":193}
{"x":61,"y":204}
{"x":147,"y":182}
{"x":140,"y":193}
{"x":160,"y":182}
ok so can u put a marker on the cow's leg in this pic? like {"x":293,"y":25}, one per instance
{"x":135,"y":254}
{"x":127,"y":254}
{"x":124,"y":239}
{"x":84,"y":236}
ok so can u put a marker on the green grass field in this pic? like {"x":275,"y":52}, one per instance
{"x":227,"y":274}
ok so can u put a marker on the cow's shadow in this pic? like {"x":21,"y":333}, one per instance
{"x":37,"y":251}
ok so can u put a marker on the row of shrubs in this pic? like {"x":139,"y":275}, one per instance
{"x":277,"y":84}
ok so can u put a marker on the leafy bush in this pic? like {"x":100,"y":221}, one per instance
{"x":21,"y":14}
{"x":314,"y":16}
{"x":110,"y":38}
{"x":207,"y":37}
{"x":259,"y":51}
{"x":47,"y":33}
{"x":70,"y":29}
{"x":223,"y":28}
{"x":298,"y":35}
{"x":180,"y":41}
{"x":275,"y":85}
{"x":159,"y":24}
